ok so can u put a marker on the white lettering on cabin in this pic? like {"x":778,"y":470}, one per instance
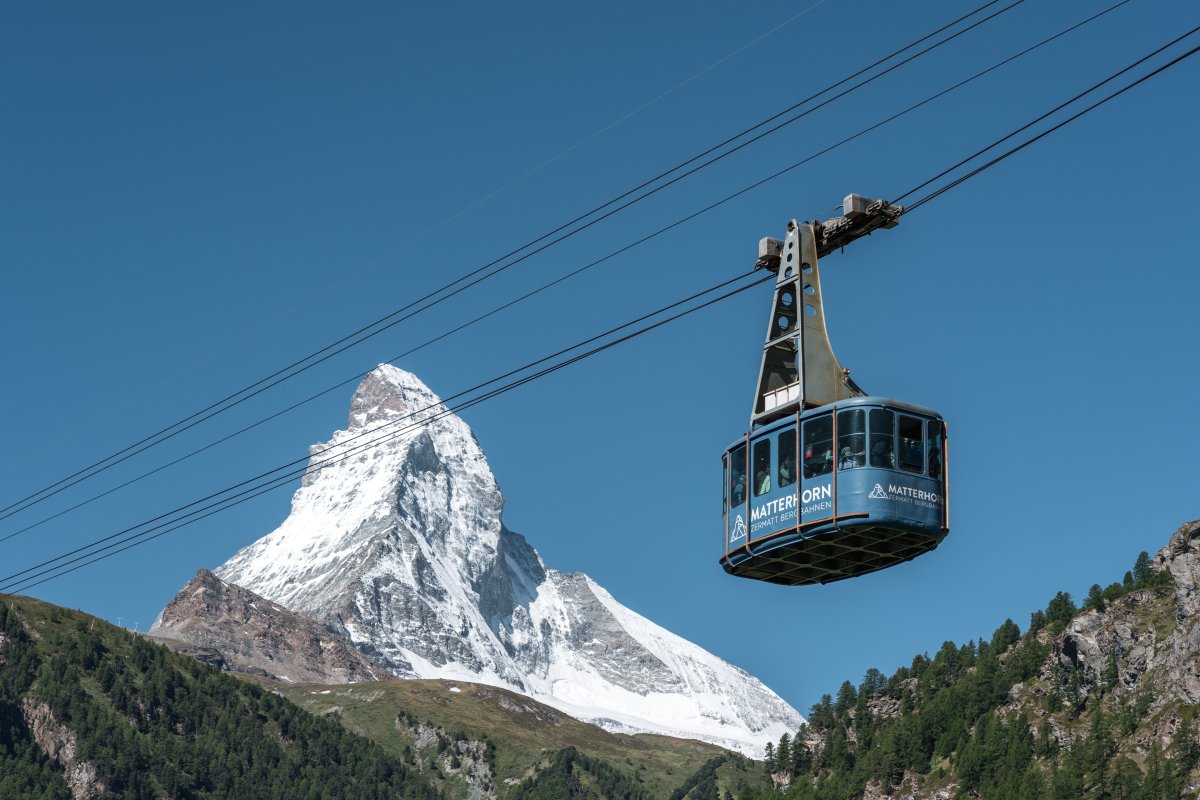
{"x":816,"y":493}
{"x":782,"y":511}
{"x":772,"y":508}
{"x":901,"y":492}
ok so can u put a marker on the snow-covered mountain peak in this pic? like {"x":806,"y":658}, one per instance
{"x":395,"y":541}
{"x":389,"y":393}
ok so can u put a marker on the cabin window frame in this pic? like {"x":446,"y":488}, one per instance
{"x":875,"y":436}
{"x":909,"y":466}
{"x":786,"y":446}
{"x":822,"y":467}
{"x":757,"y":488}
{"x":734,"y":470}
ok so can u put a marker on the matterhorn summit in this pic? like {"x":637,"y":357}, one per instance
{"x":395,"y":542}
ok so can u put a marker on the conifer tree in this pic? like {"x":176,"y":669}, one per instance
{"x":845,"y":698}
{"x":783,"y":754}
{"x":1141,"y":570}
{"x":1095,"y":598}
{"x":1060,"y":609}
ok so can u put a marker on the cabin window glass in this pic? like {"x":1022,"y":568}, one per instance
{"x":762,"y":467}
{"x":937,"y":449}
{"x":737,"y":477}
{"x":852,"y":438}
{"x":912,"y":444}
{"x":787,"y":458}
{"x":818,"y":446}
{"x":725,"y":486}
{"x":883,"y":438}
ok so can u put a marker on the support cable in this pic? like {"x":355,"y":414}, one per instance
{"x":563,"y":278}
{"x":230,"y":400}
{"x":171,"y":517}
{"x":62,"y":567}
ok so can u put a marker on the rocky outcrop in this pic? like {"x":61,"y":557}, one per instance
{"x":230,"y":628}
{"x":1153,"y":641}
{"x":58,"y":742}
{"x":471,"y":761}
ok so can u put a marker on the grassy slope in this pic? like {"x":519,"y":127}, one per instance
{"x":522,"y":729}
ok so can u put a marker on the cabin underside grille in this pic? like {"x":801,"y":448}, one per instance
{"x":833,"y":556}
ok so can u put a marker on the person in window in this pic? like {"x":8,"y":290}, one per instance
{"x":881,"y":454}
{"x":935,"y":464}
{"x":739,"y":491}
{"x":787,"y":471}
{"x":763,"y":481}
{"x":848,"y":460}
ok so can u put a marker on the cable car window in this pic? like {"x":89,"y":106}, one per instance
{"x":762,"y":467}
{"x":912,"y":445}
{"x":852,"y":438}
{"x":818,"y":446}
{"x":937,"y":447}
{"x":787,"y":458}
{"x":725,"y":485}
{"x":882,"y":439}
{"x":737,"y":477}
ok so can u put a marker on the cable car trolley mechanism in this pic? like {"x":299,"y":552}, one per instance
{"x":830,"y":482}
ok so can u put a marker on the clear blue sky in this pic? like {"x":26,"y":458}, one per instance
{"x":175,"y":179}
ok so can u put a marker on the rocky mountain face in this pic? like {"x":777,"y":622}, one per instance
{"x":1148,"y":642}
{"x":271,"y":641}
{"x":395,"y":543}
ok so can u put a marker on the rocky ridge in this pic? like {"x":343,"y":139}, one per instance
{"x":271,"y":641}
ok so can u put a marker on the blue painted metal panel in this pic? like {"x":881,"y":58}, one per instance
{"x":833,"y":503}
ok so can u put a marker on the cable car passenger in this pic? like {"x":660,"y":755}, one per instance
{"x":762,"y":468}
{"x":787,"y":470}
{"x":737,"y":477}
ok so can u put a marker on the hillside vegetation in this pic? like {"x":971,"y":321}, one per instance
{"x":88,"y":710}
{"x":1092,"y":702}
{"x":444,"y":721}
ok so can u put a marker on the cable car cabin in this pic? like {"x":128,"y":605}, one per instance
{"x":835,"y":492}
{"x":830,"y":483}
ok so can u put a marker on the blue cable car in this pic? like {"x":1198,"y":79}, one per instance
{"x":829,"y":483}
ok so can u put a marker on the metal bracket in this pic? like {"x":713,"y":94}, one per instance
{"x":799,"y":369}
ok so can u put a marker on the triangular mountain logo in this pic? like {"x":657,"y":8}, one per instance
{"x":878,"y":493}
{"x":739,"y":529}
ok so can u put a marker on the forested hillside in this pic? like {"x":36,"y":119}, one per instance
{"x":88,"y":710}
{"x":1098,"y":701}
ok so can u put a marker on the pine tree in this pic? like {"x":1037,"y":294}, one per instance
{"x":845,"y":698}
{"x":1141,"y":570}
{"x":1095,"y":598}
{"x":873,"y":683}
{"x":1127,"y":581}
{"x":1060,"y":609}
{"x":783,"y":754}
